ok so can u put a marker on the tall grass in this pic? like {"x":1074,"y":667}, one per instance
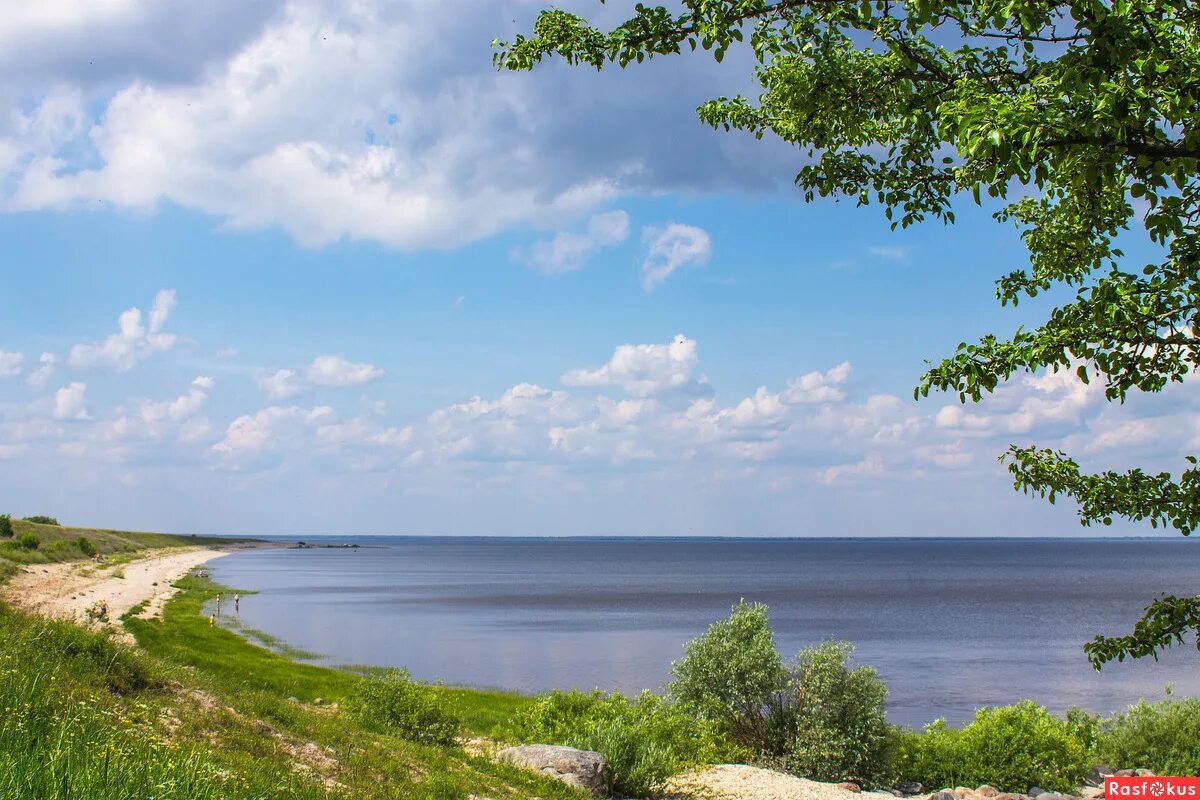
{"x":79,"y":721}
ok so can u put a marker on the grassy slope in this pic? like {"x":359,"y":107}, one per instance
{"x":60,"y":543}
{"x":199,"y":713}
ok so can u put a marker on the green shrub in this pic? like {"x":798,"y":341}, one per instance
{"x":393,"y":702}
{"x":1009,"y":747}
{"x":840,"y":724}
{"x":1163,"y":737}
{"x":6,"y":528}
{"x":733,"y":675}
{"x":85,"y":546}
{"x":644,"y":741}
{"x":27,"y":541}
{"x":42,"y":520}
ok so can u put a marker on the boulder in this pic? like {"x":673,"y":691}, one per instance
{"x":987,"y":791}
{"x":850,"y":786}
{"x":1007,"y":796}
{"x":1096,"y":775}
{"x":1091,"y":792}
{"x":1055,"y":796}
{"x":1144,"y":773}
{"x":1124,"y":773}
{"x":944,"y":794}
{"x":1034,"y":791}
{"x":582,"y":769}
{"x":910,"y":787}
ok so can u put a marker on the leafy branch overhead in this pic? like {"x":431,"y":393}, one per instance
{"x":1078,"y":119}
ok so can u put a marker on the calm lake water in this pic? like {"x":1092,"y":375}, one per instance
{"x":949,"y":624}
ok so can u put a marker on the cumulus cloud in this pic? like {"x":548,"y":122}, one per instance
{"x":70,"y":402}
{"x":871,"y":466}
{"x":10,"y":364}
{"x":38,"y":378}
{"x":325,"y":371}
{"x":569,"y":251}
{"x":343,"y":120}
{"x":671,"y":247}
{"x":134,"y":340}
{"x":645,"y":369}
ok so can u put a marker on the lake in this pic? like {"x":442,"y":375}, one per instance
{"x":950,"y":624}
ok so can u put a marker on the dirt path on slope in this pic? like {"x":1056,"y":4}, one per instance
{"x":67,"y":591}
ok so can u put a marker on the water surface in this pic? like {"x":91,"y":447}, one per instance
{"x":949,"y":624}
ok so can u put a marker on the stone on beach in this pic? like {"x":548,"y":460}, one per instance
{"x":583,"y":769}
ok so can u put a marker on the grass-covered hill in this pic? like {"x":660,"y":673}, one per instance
{"x":42,"y":543}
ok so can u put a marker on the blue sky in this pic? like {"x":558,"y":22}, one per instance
{"x":380,"y":288}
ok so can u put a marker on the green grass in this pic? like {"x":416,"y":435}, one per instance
{"x":58,"y":543}
{"x":199,"y":713}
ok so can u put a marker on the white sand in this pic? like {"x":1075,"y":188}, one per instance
{"x":740,"y":782}
{"x":67,"y":591}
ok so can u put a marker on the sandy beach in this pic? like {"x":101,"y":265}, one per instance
{"x":67,"y":591}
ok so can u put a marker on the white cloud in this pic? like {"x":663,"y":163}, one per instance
{"x":871,"y":466}
{"x":341,"y":121}
{"x":37,"y":378}
{"x":268,"y":428}
{"x":818,"y":387}
{"x":568,"y":251}
{"x":70,"y":402}
{"x":644,"y":369}
{"x":894,"y":253}
{"x":10,"y":364}
{"x":133,"y":342}
{"x":325,"y":371}
{"x":671,"y":247}
{"x":337,"y":371}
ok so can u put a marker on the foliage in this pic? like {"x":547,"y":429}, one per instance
{"x":42,"y":520}
{"x":6,"y":528}
{"x":27,"y":541}
{"x":1077,"y":118}
{"x":394,"y":702}
{"x":1163,"y":737}
{"x":1009,"y":747}
{"x":644,"y":741}
{"x":733,"y":675}
{"x":840,"y":726}
{"x":85,"y":546}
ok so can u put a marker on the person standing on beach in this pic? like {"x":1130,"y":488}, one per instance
{"x":237,"y":604}
{"x":218,"y":606}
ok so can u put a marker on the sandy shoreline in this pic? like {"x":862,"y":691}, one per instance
{"x":68,"y":590}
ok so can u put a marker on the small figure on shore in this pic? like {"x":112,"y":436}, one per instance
{"x":218,"y":605}
{"x":212,"y":619}
{"x":237,"y":603}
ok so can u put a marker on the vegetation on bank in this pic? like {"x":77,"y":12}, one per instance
{"x":200,"y":712}
{"x":41,"y":540}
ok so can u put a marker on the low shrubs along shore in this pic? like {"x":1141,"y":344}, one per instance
{"x":199,"y":712}
{"x":734,"y":698}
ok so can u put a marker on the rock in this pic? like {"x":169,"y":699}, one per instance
{"x":318,"y":701}
{"x":1144,"y":773}
{"x":944,"y":794}
{"x":987,"y":791}
{"x":910,"y":787}
{"x":1124,"y":773}
{"x":1055,"y":796}
{"x":582,"y":769}
{"x":1091,"y":792}
{"x":850,"y":786}
{"x":963,"y":791}
{"x":1096,"y":775}
{"x":1007,"y":796}
{"x":1034,"y":791}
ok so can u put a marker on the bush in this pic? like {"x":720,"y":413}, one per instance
{"x":733,"y":675}
{"x":6,"y":528}
{"x":391,"y":701}
{"x":1163,"y":737}
{"x":42,"y":520}
{"x":27,"y":541}
{"x":1009,"y":747}
{"x":85,"y":546}
{"x":644,"y":741}
{"x":840,"y":723}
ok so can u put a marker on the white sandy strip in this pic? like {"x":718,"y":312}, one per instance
{"x":739,"y":782}
{"x":67,"y":591}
